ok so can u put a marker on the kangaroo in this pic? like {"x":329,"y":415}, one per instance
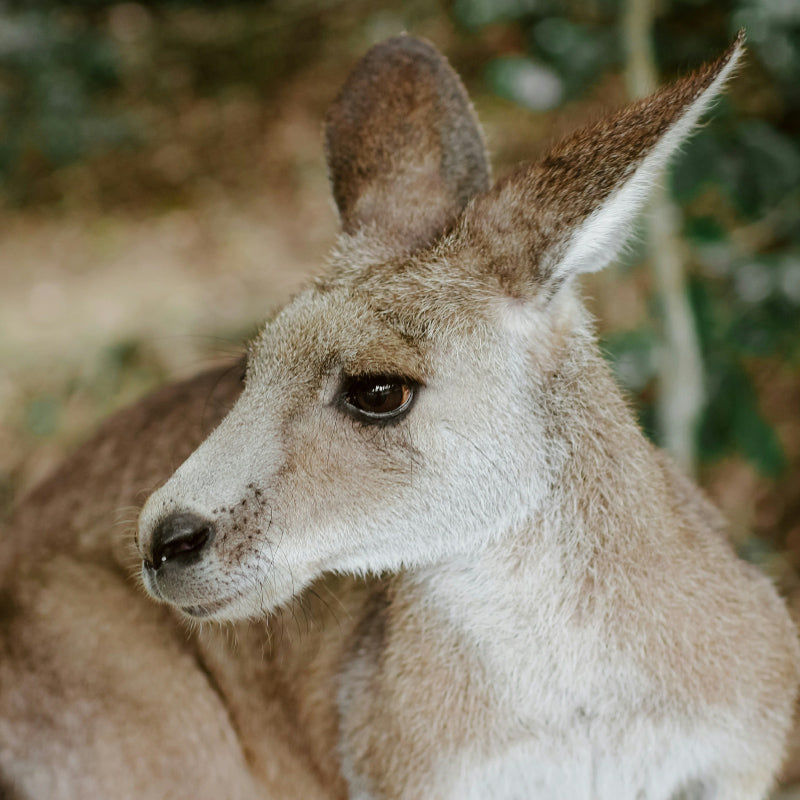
{"x":448,"y":563}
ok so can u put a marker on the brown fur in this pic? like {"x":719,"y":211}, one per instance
{"x":407,"y":150}
{"x":104,"y":693}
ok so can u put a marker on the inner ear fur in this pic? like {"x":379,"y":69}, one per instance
{"x":404,"y":148}
{"x":572,"y":211}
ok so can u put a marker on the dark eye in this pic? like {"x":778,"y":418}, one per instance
{"x":377,"y":398}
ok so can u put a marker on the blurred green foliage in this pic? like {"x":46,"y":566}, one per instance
{"x":55,"y":70}
{"x":737,"y":183}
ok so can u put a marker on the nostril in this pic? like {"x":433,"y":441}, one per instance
{"x":178,"y":537}
{"x":186,"y":545}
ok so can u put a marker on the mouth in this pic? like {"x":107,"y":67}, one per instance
{"x":195,"y":611}
{"x":206,"y":609}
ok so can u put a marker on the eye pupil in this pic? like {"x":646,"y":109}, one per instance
{"x":381,"y":398}
{"x":378,"y":397}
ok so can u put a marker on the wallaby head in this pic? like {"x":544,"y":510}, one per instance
{"x":403,"y":409}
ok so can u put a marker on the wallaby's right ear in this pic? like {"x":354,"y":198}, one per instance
{"x":572,"y":212}
{"x":404,"y":149}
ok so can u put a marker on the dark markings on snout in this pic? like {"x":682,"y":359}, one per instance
{"x":180,"y":538}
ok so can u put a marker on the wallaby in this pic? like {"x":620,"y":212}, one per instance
{"x":449,"y":563}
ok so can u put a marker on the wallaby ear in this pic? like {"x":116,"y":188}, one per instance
{"x":573,"y":211}
{"x":404,"y":148}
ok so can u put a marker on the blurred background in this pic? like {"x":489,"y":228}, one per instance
{"x":162,"y":188}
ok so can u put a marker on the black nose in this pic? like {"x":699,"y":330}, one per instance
{"x":179,"y":537}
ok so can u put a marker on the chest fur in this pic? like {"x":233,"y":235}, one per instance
{"x":557,"y":709}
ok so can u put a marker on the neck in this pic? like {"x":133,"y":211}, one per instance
{"x":609,"y":509}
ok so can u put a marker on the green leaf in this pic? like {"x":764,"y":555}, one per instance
{"x":770,"y":164}
{"x":732,"y":421}
{"x":756,"y":438}
{"x":705,"y":230}
{"x":695,"y":166}
{"x":476,"y":13}
{"x":581,"y":53}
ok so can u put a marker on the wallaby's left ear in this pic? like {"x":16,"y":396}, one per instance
{"x":404,"y":148}
{"x":572,"y":211}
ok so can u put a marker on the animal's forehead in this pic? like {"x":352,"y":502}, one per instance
{"x":324,"y":330}
{"x":441,"y":290}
